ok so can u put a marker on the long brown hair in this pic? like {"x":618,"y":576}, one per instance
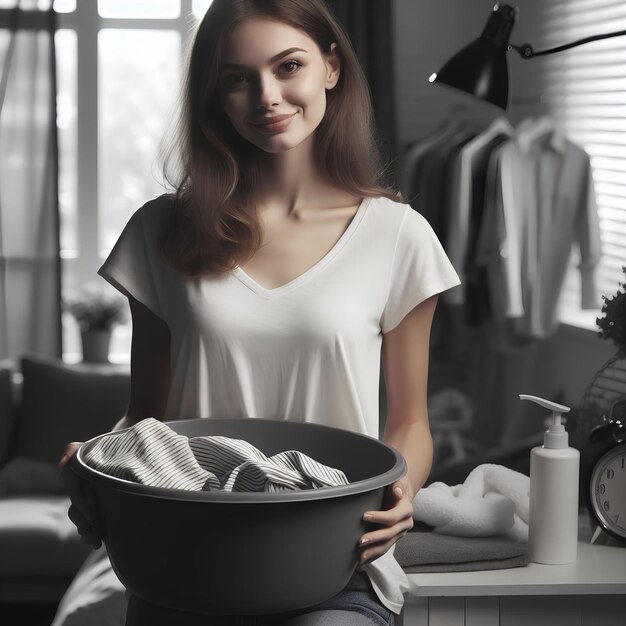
{"x":216,"y":226}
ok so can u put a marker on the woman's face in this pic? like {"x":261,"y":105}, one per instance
{"x":273,"y":83}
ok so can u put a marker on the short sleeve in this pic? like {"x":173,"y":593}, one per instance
{"x":420,"y":269}
{"x":135,"y":265}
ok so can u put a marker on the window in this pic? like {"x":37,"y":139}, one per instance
{"x":119,"y":66}
{"x":136,"y":72}
{"x":139,"y":9}
{"x":585,"y":89}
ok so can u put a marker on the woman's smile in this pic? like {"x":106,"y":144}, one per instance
{"x":275,"y":124}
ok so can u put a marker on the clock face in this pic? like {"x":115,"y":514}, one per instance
{"x":608,"y":490}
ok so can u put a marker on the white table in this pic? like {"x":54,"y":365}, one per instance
{"x":589,"y":592}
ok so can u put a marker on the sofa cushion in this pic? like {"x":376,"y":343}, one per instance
{"x":37,"y":537}
{"x":63,"y":403}
{"x":29,"y":476}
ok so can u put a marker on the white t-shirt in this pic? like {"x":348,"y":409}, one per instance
{"x":306,"y":351}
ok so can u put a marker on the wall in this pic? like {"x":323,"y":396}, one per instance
{"x":427,"y":33}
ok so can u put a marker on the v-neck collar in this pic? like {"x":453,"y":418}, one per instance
{"x":314,"y":269}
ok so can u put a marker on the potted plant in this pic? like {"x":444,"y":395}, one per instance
{"x":96,"y":313}
{"x":613,"y":324}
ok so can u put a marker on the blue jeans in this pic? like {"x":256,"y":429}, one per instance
{"x":355,"y":605}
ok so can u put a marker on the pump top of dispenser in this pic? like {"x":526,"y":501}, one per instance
{"x":556,"y":435}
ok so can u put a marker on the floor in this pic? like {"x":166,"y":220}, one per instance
{"x":27,"y":615}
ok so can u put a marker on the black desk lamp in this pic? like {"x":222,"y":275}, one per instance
{"x":480,"y":68}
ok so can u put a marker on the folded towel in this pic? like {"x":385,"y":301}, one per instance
{"x":431,"y":552}
{"x":151,"y":453}
{"x":493,"y":500}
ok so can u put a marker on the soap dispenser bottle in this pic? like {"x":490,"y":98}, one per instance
{"x":553,"y":505}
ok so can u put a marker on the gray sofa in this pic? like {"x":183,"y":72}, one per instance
{"x":44,"y":404}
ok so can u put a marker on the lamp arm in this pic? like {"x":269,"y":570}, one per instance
{"x":526,"y":51}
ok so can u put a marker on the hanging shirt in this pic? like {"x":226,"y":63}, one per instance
{"x":306,"y":351}
{"x":498,"y":245}
{"x":567,"y":215}
{"x":427,"y":181}
{"x":470,"y":166}
{"x":545,"y":197}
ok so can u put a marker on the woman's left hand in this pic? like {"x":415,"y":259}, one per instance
{"x":394,"y":522}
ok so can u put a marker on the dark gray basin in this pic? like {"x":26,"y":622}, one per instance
{"x":244,"y":553}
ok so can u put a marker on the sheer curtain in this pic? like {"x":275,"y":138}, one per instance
{"x":30,"y":315}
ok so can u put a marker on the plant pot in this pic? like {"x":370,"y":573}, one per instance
{"x":96,"y":344}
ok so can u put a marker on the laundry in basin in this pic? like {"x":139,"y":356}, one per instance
{"x":151,"y":453}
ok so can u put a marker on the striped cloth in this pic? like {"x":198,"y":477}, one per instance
{"x":151,"y":453}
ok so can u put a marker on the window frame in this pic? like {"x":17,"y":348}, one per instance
{"x":87,"y":24}
{"x":80,"y":265}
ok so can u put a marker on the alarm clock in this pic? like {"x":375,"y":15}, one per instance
{"x":606,"y":475}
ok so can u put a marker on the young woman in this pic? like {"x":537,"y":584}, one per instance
{"x":270,"y":282}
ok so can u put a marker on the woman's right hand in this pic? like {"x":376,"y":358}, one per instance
{"x":82,"y":511}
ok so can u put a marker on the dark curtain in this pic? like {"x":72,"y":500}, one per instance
{"x":369,"y":25}
{"x":30,"y":277}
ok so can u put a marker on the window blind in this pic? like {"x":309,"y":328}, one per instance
{"x":584,"y":89}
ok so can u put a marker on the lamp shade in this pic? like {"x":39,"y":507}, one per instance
{"x":480,"y":68}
